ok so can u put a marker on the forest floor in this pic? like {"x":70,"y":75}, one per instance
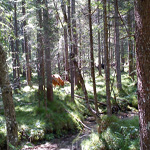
{"x":33,"y":123}
{"x":73,"y":141}
{"x":69,"y":142}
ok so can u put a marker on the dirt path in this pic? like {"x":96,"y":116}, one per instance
{"x":71,"y":142}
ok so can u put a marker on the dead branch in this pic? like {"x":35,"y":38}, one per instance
{"x":78,"y":120}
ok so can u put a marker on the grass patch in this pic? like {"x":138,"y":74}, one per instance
{"x":61,"y":116}
{"x":93,"y":143}
{"x":122,"y":134}
{"x":38,"y":123}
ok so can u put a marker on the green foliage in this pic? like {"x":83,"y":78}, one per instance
{"x":62,"y":115}
{"x":2,"y":138}
{"x":79,"y":92}
{"x":67,"y":97}
{"x":121,"y":134}
{"x":93,"y":143}
{"x":12,"y":147}
{"x":38,"y":123}
{"x":129,"y":90}
{"x":5,"y":22}
{"x":135,"y":102}
{"x":49,"y":137}
{"x":2,"y":130}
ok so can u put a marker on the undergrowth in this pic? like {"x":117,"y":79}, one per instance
{"x":62,"y":116}
{"x":35,"y":123}
{"x":118,"y":134}
{"x":121,"y":134}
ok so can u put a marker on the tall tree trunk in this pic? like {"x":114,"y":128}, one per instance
{"x":107,"y":70}
{"x":23,"y":50}
{"x":102,"y":53}
{"x":13,"y":58}
{"x":109,"y":20}
{"x":29,"y":47}
{"x":134,"y":46}
{"x":112,"y":59}
{"x":12,"y":48}
{"x":17,"y":48}
{"x":40,"y":51}
{"x":92,"y":56}
{"x":142,"y":36}
{"x":74,"y":40}
{"x":47,"y":34}
{"x":85,"y":91}
{"x":63,"y":6}
{"x":99,"y":43}
{"x":122,"y":56}
{"x":26,"y":48}
{"x":130,"y":45}
{"x":71,"y":54}
{"x":117,"y":46}
{"x":58,"y":58}
{"x":80,"y":39}
{"x":72,"y":57}
{"x":9,"y":110}
{"x":74,"y":32}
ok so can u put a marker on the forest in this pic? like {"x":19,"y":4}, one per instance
{"x":74,"y":74}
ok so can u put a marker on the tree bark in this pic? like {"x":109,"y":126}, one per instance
{"x":117,"y":46}
{"x":80,"y":39}
{"x":47,"y":34}
{"x":17,"y":81}
{"x":99,"y":43}
{"x":40,"y":53}
{"x":130,"y":45}
{"x":9,"y":109}
{"x":109,"y":34}
{"x":63,"y":6}
{"x":122,"y":56}
{"x":40,"y":49}
{"x":71,"y":54}
{"x":74,"y":40}
{"x":142,"y":36}
{"x":107,"y":70}
{"x":23,"y":50}
{"x":92,"y":56}
{"x":58,"y":59}
{"x":74,"y":32}
{"x":26,"y":48}
{"x":13,"y":58}
{"x":94,"y":113}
